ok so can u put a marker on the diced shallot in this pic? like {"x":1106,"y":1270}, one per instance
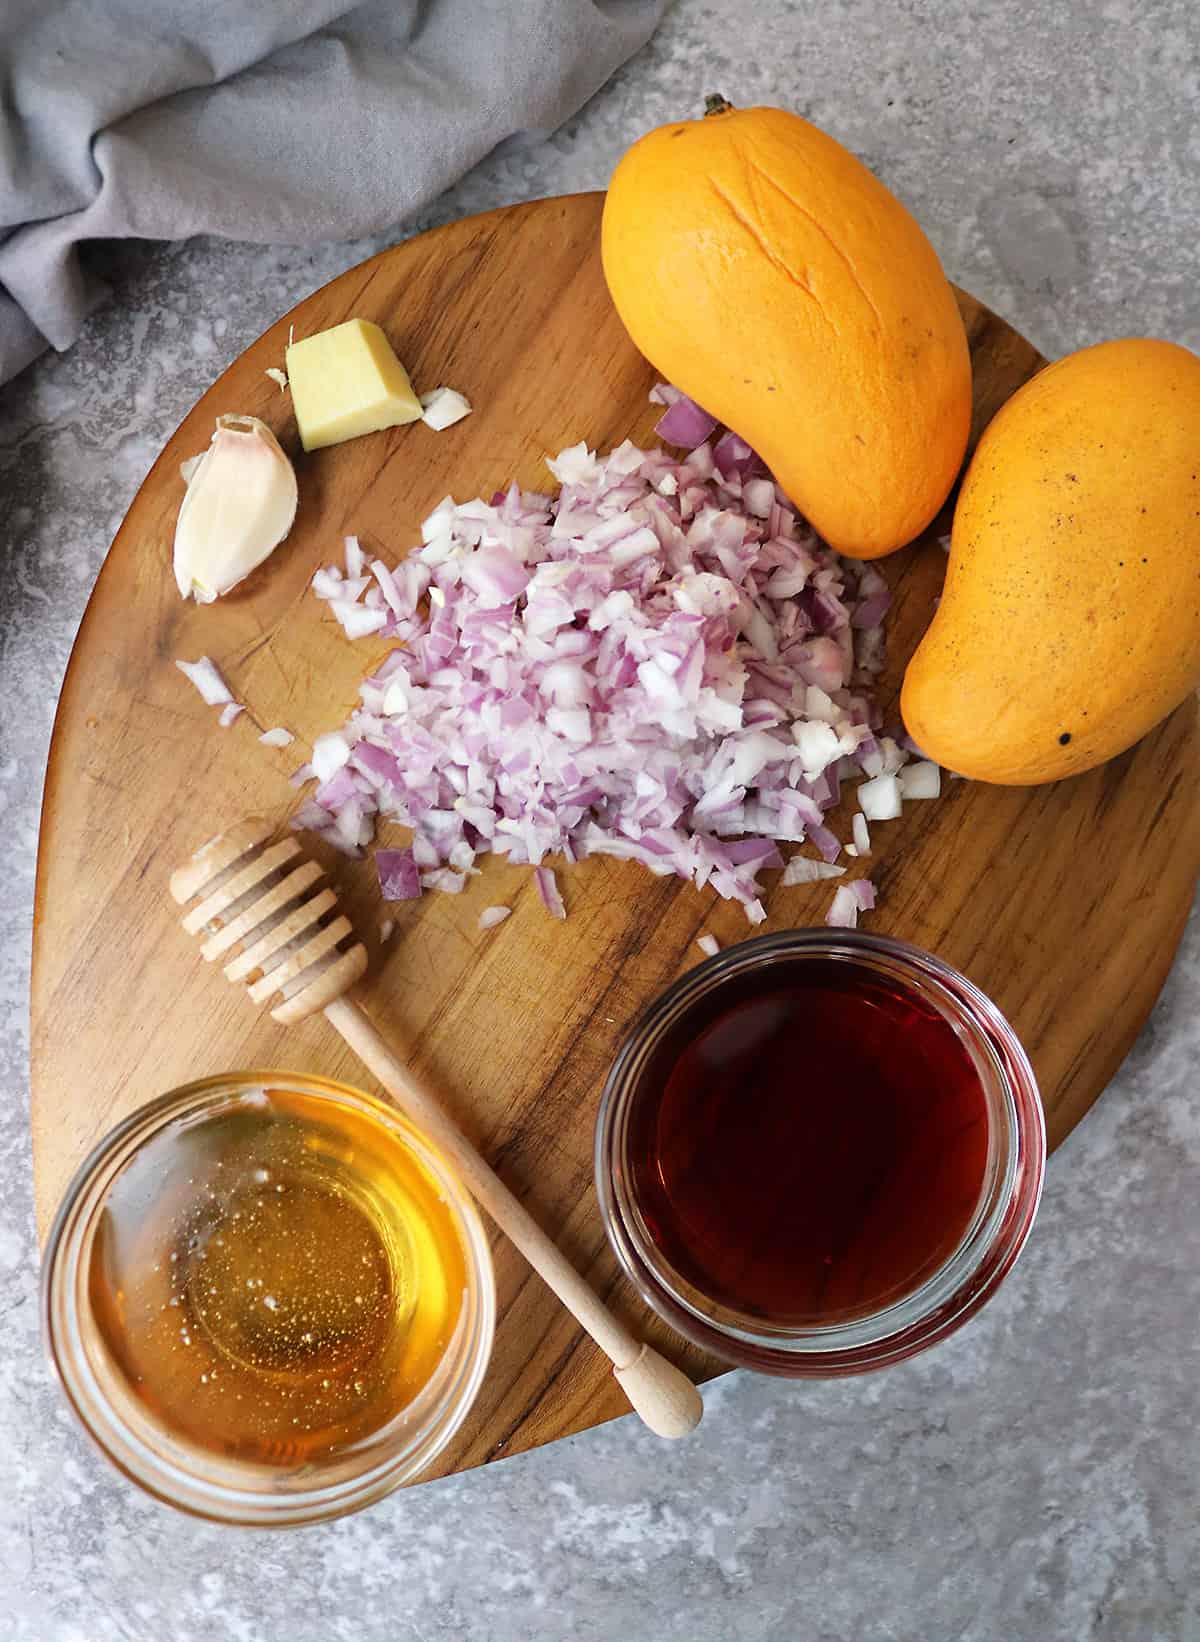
{"x":802,"y":870}
{"x":661,"y":663}
{"x":204,"y":675}
{"x":879,"y":798}
{"x":922,"y":780}
{"x":399,"y":879}
{"x":843,"y":910}
{"x":709,"y":945}
{"x":547,"y":888}
{"x":491,"y":916}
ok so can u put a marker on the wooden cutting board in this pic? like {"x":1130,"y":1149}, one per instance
{"x":1065,"y":903}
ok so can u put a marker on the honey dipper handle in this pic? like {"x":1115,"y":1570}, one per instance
{"x":662,"y":1394}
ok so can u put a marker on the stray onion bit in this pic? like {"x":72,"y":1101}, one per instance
{"x":399,"y":879}
{"x":547,"y":888}
{"x":229,"y":712}
{"x":278,"y":737}
{"x":923,"y":780}
{"x":204,"y":675}
{"x":491,"y":916}
{"x":277,"y":376}
{"x":387,"y":928}
{"x":843,"y":910}
{"x":239,"y":505}
{"x":443,"y":408}
{"x":801,"y":870}
{"x":708,"y":944}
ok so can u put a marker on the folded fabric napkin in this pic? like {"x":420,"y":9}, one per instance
{"x":281,"y":121}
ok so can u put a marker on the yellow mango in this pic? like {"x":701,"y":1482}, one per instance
{"x":1070,"y":620}
{"x":765,"y":271}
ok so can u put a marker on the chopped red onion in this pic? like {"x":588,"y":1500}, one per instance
{"x":709,"y":945}
{"x":863,"y":891}
{"x":922,"y":780}
{"x":278,"y":737}
{"x":685,"y":424}
{"x":662,"y":663}
{"x":399,"y":879}
{"x":843,"y":911}
{"x":862,"y":834}
{"x":491,"y":916}
{"x":801,"y":869}
{"x":229,"y":712}
{"x":204,"y":675}
{"x":879,"y":798}
{"x":547,"y":888}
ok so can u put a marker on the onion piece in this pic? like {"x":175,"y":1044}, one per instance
{"x":685,"y":423}
{"x":922,"y":780}
{"x":230,"y":711}
{"x":399,"y":879}
{"x":330,"y":752}
{"x":879,"y":799}
{"x":387,"y":928}
{"x":278,"y":737}
{"x":491,"y":916}
{"x":863,"y":891}
{"x":547,"y":888}
{"x":802,"y":870}
{"x":204,"y":675}
{"x":709,"y":945}
{"x":843,"y":910}
{"x":862,"y":834}
{"x":443,"y":408}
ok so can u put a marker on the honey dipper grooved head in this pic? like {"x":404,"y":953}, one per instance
{"x":260,"y":904}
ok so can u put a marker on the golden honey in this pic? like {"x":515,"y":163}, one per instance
{"x":276,"y":1279}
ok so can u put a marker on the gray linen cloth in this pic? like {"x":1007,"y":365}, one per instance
{"x":279,"y":121}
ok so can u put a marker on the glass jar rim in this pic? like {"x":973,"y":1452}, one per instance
{"x":199,"y":1490}
{"x":948,"y":1296}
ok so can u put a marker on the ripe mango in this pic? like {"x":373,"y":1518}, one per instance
{"x":765,"y":271}
{"x":1070,"y":620}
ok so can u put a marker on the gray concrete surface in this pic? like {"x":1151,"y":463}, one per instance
{"x":1032,"y":1480}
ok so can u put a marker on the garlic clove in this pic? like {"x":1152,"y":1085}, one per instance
{"x":239,"y":505}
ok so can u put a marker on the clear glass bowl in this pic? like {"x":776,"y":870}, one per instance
{"x":165,"y":1461}
{"x":969,"y":1275}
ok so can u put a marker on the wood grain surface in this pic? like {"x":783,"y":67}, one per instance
{"x":1065,"y":903}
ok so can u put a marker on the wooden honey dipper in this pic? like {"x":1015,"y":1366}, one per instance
{"x":260,"y":905}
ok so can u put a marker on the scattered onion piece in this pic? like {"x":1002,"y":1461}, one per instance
{"x":278,"y":737}
{"x":547,"y":888}
{"x":709,"y":945}
{"x":491,"y":916}
{"x":399,"y":879}
{"x":844,"y":909}
{"x":802,"y":870}
{"x":922,"y":780}
{"x":204,"y":675}
{"x":229,"y":712}
{"x":443,"y":408}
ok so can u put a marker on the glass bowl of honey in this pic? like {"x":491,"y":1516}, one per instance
{"x":819,"y":1152}
{"x":268,"y":1299}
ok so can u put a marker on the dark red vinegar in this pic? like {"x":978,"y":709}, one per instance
{"x":809,"y":1144}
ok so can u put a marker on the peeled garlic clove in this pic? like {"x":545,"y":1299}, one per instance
{"x":239,"y":505}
